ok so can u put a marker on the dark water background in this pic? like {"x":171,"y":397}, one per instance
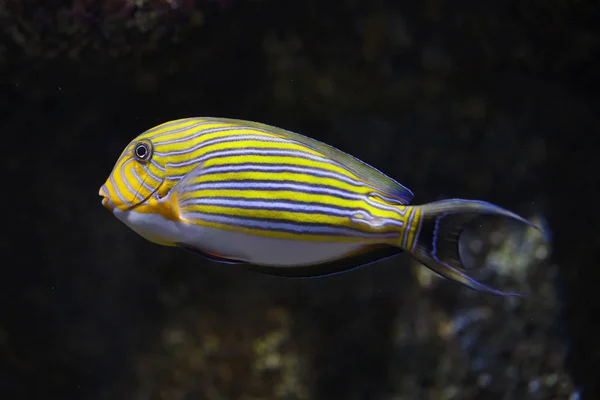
{"x":474,"y":99}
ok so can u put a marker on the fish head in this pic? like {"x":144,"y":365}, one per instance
{"x":138,"y":174}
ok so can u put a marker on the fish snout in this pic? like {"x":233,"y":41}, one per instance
{"x":105,"y":202}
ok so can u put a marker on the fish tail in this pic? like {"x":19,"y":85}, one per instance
{"x":437,"y":231}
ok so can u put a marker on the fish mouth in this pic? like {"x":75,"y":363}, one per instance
{"x":105,"y":201}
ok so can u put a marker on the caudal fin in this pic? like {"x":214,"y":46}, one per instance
{"x":441,"y":225}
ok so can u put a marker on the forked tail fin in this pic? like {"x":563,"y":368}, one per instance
{"x":440,"y":227}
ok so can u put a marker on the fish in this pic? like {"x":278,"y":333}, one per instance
{"x":281,"y":203}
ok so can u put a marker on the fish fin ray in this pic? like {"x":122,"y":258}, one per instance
{"x":441,"y":225}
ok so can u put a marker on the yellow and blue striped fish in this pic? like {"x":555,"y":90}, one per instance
{"x":278,"y":202}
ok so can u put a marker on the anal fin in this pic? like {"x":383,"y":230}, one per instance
{"x":208,"y":256}
{"x":358,"y":260}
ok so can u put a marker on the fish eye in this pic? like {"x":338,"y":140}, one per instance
{"x":142,"y":150}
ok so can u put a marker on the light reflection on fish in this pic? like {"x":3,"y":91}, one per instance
{"x":280,"y":203}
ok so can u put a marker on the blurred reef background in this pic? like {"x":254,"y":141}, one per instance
{"x":476,"y":99}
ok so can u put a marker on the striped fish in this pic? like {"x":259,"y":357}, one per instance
{"x":247,"y":193}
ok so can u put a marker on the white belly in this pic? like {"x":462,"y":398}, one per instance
{"x":235,"y":245}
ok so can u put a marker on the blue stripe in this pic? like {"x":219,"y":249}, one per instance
{"x":272,"y":225}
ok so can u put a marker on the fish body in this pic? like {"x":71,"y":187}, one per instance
{"x":278,"y":202}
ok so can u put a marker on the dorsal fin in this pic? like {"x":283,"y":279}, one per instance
{"x":375,"y":177}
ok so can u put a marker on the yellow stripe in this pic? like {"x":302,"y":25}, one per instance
{"x":291,"y":161}
{"x":275,"y":215}
{"x":413,"y":229}
{"x":292,"y":177}
{"x":175,"y":159}
{"x":163,"y":145}
{"x":358,"y":205}
{"x":173,"y":125}
{"x":192,"y":130}
{"x":121,"y":186}
{"x":300,"y":196}
{"x":295,"y":236}
{"x":280,"y":195}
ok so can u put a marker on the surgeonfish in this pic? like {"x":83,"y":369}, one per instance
{"x":281,"y":203}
